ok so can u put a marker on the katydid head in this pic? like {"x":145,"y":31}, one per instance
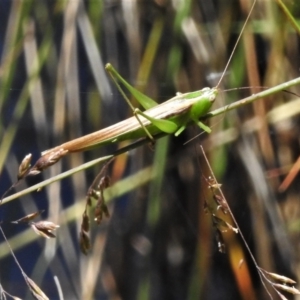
{"x":209,"y":95}
{"x":202,"y":103}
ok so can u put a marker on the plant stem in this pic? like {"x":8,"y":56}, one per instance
{"x":254,"y":97}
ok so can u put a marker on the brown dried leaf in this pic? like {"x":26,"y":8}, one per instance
{"x":44,"y":228}
{"x":286,"y":288}
{"x":28,"y":218}
{"x":84,"y":242}
{"x":24,"y":166}
{"x":34,"y":289}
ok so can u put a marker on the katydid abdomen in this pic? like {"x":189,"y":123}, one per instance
{"x":179,"y":110}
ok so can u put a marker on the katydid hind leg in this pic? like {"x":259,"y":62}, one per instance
{"x":145,"y":101}
{"x":180,"y":130}
{"x":203,"y":126}
{"x":163,"y":125}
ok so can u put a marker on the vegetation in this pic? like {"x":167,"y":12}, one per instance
{"x":161,"y":232}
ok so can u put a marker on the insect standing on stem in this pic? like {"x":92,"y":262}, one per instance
{"x":170,"y":117}
{"x":159,"y":221}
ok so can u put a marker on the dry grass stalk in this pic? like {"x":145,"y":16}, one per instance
{"x":44,"y":228}
{"x":36,"y":292}
{"x":285,"y":282}
{"x":95,"y":192}
{"x":33,"y":287}
{"x":28,"y":217}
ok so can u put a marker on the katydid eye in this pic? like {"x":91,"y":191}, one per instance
{"x":212,"y":98}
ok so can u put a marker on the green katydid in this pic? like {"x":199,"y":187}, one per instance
{"x":170,"y":117}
